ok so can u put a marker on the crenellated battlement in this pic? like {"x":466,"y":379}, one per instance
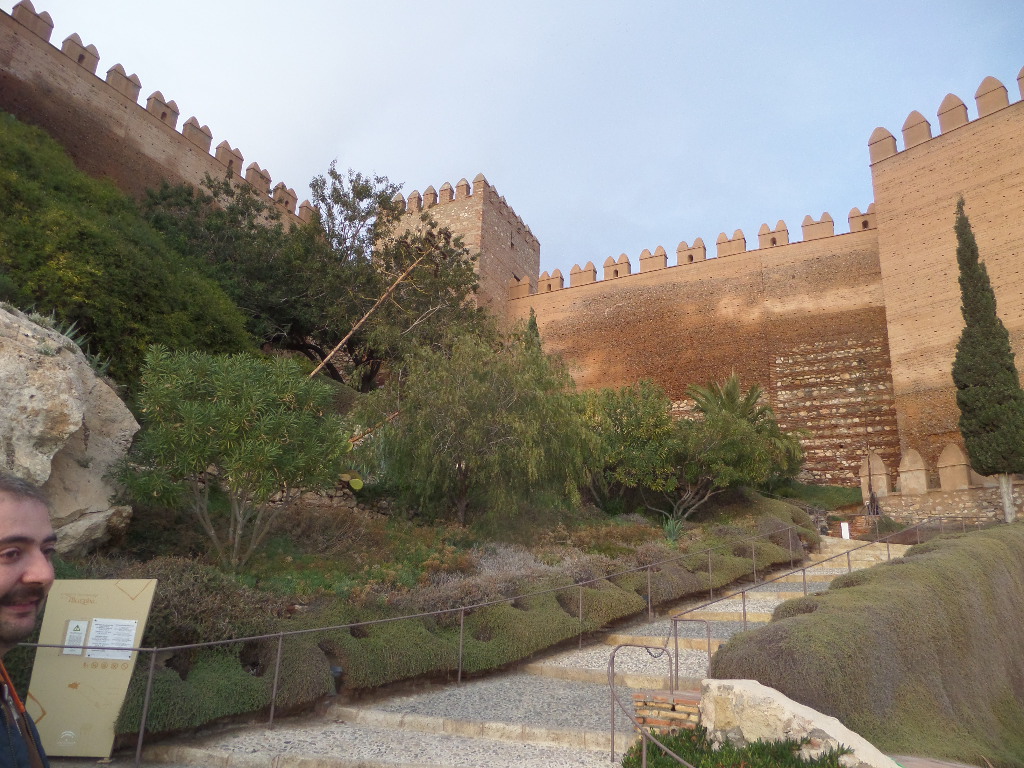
{"x":687,"y":255}
{"x":990,"y":97}
{"x":461,"y":194}
{"x":164,"y":110}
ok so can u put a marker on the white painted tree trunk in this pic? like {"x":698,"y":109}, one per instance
{"x":1006,"y":492}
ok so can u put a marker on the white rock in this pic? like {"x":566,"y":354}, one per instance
{"x":745,"y":711}
{"x":61,"y":426}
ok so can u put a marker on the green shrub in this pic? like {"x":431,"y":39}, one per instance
{"x":922,"y":655}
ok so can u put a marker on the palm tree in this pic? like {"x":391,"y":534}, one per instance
{"x":729,"y":398}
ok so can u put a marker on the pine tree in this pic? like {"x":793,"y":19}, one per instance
{"x":989,"y":394}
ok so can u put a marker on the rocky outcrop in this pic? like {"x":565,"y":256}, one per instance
{"x":744,"y":711}
{"x":62,"y":426}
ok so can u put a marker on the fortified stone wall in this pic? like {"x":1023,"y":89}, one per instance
{"x":806,"y":320}
{"x":916,"y":190}
{"x":100,"y":122}
{"x":489,"y":227}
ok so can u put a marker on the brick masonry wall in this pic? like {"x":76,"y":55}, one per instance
{"x":915,"y":196}
{"x":804,"y":320}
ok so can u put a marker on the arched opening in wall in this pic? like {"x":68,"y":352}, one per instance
{"x":615,"y":273}
{"x":163,"y":115}
{"x":547,"y":287}
{"x":689,"y":259}
{"x":774,"y":241}
{"x":864,"y":224}
{"x":231,"y":167}
{"x":81,"y":58}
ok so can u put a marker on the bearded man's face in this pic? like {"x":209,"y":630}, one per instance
{"x":27,"y":545}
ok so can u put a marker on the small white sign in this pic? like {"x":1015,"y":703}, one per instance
{"x":845,"y":530}
{"x":74,"y":638}
{"x":112,"y":633}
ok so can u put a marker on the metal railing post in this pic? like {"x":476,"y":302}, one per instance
{"x":277,"y":678}
{"x":650,"y":598}
{"x":790,"y":547}
{"x":581,"y":616}
{"x":849,"y":562}
{"x":711,"y":589}
{"x":753,"y":559}
{"x":743,"y":600}
{"x":804,"y":572}
{"x":145,"y":708}
{"x":462,"y":635}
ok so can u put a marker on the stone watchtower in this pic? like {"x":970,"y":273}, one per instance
{"x":489,"y":227}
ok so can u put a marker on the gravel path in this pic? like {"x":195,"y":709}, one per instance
{"x":632,"y":661}
{"x":522,"y":698}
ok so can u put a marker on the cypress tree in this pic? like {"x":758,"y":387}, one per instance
{"x":988,"y":390}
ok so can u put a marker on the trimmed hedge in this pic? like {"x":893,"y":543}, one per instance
{"x":923,"y":655}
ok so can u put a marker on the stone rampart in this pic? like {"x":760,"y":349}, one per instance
{"x":101,"y":123}
{"x":804,"y":319}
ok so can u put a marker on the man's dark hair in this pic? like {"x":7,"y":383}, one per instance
{"x":22,"y":489}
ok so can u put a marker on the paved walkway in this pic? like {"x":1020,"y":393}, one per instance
{"x":554,"y":712}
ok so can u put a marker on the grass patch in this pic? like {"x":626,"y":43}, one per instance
{"x":697,"y":749}
{"x":827,"y":497}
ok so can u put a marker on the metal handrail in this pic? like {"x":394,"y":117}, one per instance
{"x":645,"y":734}
{"x":680,"y":618}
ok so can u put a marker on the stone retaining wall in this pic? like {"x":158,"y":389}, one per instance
{"x":981,"y":503}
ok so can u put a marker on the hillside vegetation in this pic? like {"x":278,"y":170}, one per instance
{"x":77,"y":248}
{"x":922,"y":655}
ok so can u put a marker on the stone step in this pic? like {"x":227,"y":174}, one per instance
{"x":752,"y":616}
{"x":689,"y":643}
{"x":351,"y":745}
{"x":598,"y":676}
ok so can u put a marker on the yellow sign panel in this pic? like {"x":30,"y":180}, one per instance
{"x":76,"y":693}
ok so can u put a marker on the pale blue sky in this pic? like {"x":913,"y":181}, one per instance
{"x":610,"y":127}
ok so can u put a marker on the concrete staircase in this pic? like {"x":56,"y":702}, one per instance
{"x":553,"y":712}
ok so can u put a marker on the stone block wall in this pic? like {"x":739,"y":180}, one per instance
{"x":507,"y":249}
{"x":979,"y":504}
